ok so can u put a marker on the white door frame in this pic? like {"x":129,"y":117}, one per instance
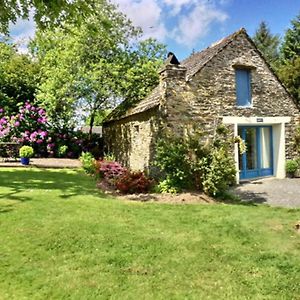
{"x":278,"y":126}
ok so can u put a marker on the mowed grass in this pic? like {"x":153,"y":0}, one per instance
{"x":60,"y":238}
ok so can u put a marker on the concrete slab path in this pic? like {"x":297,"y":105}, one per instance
{"x":275,"y":192}
{"x":45,"y":163}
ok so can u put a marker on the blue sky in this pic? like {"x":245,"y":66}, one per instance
{"x":184,"y":25}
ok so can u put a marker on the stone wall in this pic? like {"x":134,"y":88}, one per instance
{"x":202,"y":102}
{"x":132,"y":139}
{"x":210,"y":94}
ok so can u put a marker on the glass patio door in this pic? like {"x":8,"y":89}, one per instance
{"x":257,"y":161}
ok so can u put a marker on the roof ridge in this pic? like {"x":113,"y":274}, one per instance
{"x":234,"y":34}
{"x":209,"y":53}
{"x":194,"y":63}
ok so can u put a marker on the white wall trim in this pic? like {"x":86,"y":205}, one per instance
{"x":254,"y":120}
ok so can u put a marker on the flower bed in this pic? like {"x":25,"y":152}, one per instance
{"x":112,"y":176}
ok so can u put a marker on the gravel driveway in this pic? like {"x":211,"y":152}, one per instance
{"x":276,"y":192}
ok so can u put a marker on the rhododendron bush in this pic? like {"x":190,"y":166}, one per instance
{"x":30,"y":126}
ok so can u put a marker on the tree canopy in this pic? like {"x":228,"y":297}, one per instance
{"x":290,"y":75}
{"x":284,"y":59}
{"x":289,"y":70}
{"x":18,"y":77}
{"x":267,"y":43}
{"x":45,"y":13}
{"x":95,"y":65}
{"x":290,"y":48}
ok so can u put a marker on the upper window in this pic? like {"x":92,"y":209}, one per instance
{"x":243,"y":87}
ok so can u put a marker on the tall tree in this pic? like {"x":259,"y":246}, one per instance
{"x":50,"y":12}
{"x":290,"y":48}
{"x":143,"y":64}
{"x":267,"y":43}
{"x":289,"y":71}
{"x":90,"y":67}
{"x":18,"y":78}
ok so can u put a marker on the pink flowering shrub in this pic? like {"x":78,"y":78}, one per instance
{"x":109,"y":171}
{"x":4,"y":127}
{"x":113,"y":176}
{"x":29,"y":126}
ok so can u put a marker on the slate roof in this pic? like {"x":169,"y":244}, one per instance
{"x":198,"y":60}
{"x":126,"y":109}
{"x":193,"y":64}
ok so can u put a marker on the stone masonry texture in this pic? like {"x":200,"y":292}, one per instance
{"x":201,"y":101}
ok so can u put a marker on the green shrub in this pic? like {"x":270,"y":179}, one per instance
{"x":88,"y":163}
{"x":166,"y":186}
{"x":26,"y":151}
{"x":291,"y":166}
{"x":218,"y":171}
{"x":109,"y":157}
{"x":173,"y":160}
{"x":62,"y":151}
{"x":195,"y":162}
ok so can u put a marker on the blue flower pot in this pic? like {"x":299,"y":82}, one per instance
{"x":25,"y":161}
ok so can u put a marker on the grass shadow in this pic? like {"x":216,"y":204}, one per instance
{"x":68,"y":183}
{"x":241,"y":197}
{"x":6,"y":209}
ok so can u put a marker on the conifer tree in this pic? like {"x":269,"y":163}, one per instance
{"x":289,"y":71}
{"x":267,"y":43}
{"x":290,"y":48}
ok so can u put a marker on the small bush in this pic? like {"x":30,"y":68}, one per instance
{"x":133,"y":182}
{"x":166,"y":186}
{"x":172,"y":158}
{"x":62,"y":151}
{"x":109,"y":157}
{"x":218,"y":171}
{"x":88,"y":163}
{"x":195,"y":162}
{"x":291,"y":166}
{"x":114,"y":176}
{"x":26,"y":151}
{"x":110,"y":171}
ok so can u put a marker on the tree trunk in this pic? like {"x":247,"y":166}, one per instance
{"x":92,"y":119}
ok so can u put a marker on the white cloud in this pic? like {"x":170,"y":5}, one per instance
{"x":197,"y":23}
{"x":187,"y":20}
{"x":22,"y":32}
{"x":177,"y":5}
{"x":225,"y":2}
{"x":146,"y":14}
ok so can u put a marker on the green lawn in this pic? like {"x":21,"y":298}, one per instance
{"x":62,"y":239}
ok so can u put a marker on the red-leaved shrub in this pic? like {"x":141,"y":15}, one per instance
{"x":133,"y":182}
{"x":110,"y":171}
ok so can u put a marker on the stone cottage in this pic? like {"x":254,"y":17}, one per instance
{"x":229,"y":82}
